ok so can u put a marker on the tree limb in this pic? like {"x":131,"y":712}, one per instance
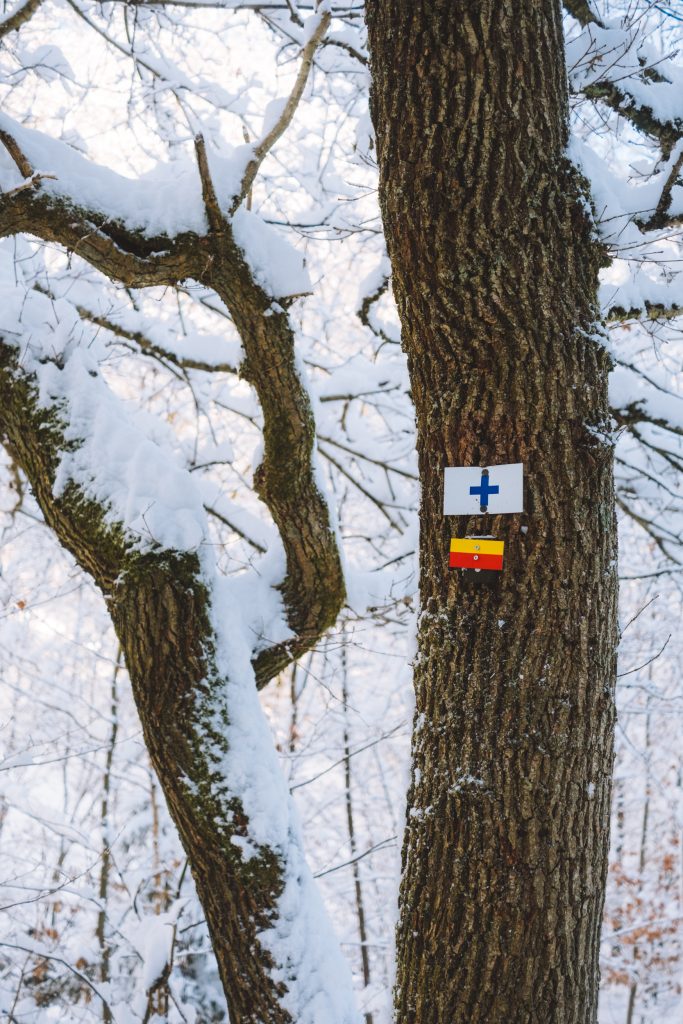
{"x":262,"y":148}
{"x":111,"y":247}
{"x":313,"y":590}
{"x":642,"y":117}
{"x":581,"y":10}
{"x":160,"y":601}
{"x":660,"y":218}
{"x":216,"y":219}
{"x":36,"y":441}
{"x":15,"y":151}
{"x":19,"y":17}
{"x":120,"y":252}
{"x":652,"y":311}
{"x":364,"y":311}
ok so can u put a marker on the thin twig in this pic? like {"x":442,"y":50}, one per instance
{"x":58,"y":959}
{"x":213,"y":210}
{"x":15,"y":151}
{"x":366,"y":853}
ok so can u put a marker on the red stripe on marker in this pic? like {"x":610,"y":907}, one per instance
{"x":470,"y":560}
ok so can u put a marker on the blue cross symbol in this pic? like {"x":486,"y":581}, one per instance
{"x":484,"y":489}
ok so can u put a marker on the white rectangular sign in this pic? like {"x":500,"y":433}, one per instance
{"x":469,"y":489}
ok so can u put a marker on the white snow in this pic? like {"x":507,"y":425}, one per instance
{"x":112,"y":460}
{"x":277,"y":266}
{"x":165,"y":201}
{"x":154,"y":939}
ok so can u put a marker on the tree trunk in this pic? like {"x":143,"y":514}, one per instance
{"x":194,"y":675}
{"x":105,"y":859}
{"x":164,"y":628}
{"x":495,"y":271}
{"x":193,"y":679}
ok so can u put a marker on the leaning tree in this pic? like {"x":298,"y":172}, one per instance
{"x":137,"y":524}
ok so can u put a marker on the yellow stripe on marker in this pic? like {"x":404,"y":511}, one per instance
{"x":474,"y":545}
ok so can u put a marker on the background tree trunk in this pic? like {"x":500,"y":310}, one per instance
{"x":495,"y":271}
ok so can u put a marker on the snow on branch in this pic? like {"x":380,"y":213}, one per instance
{"x":135,"y":521}
{"x":18,"y":17}
{"x":668,"y":213}
{"x":99,"y":457}
{"x":135,"y":233}
{"x":96,"y":213}
{"x":612,"y":64}
{"x":636,"y":220}
{"x":641,"y":289}
{"x":582,"y":11}
{"x":185,"y":221}
{"x":633,"y":106}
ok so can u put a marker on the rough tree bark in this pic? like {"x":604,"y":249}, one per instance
{"x":495,"y":265}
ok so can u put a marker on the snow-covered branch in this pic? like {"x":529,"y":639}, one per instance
{"x":136,"y":523}
{"x":582,"y":11}
{"x":235,"y":258}
{"x":15,"y":19}
{"x":99,"y":231}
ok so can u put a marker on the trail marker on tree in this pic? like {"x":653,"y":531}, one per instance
{"x":476,"y":553}
{"x":469,"y":490}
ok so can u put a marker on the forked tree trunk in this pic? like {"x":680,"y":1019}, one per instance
{"x":190,"y":661}
{"x":494,"y":271}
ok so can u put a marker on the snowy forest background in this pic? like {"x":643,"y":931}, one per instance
{"x":99,"y":918}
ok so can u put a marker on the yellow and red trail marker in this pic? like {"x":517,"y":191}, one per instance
{"x":476,"y":553}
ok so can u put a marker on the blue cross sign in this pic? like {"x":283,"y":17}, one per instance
{"x":484,"y":489}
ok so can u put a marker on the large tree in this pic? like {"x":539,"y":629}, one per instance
{"x":495,"y":257}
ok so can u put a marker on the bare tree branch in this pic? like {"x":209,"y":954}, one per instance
{"x":364,"y":311}
{"x":262,"y":148}
{"x":145,"y":344}
{"x":65,"y":963}
{"x":648,"y":527}
{"x":231,"y":525}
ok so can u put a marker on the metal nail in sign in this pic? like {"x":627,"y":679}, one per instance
{"x":469,"y":490}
